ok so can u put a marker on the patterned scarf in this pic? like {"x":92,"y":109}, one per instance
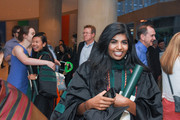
{"x":15,"y":105}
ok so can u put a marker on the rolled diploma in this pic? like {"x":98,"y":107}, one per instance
{"x":133,"y":81}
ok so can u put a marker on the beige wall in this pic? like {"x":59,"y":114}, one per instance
{"x":9,"y":26}
{"x":18,"y":9}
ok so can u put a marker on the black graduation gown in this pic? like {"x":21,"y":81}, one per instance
{"x":148,"y":99}
{"x":46,"y":83}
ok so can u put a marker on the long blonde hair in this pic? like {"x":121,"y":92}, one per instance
{"x":171,"y":53}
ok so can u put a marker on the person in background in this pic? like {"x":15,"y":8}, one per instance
{"x":170,"y":63}
{"x":154,"y":62}
{"x":10,"y":45}
{"x":110,"y":67}
{"x":20,"y":58}
{"x":51,"y":49}
{"x":74,"y":41}
{"x":62,"y":51}
{"x":74,"y":53}
{"x":61,"y":42}
{"x":85,"y":48}
{"x":74,"y":47}
{"x":155,"y":44}
{"x":46,"y":78}
{"x":161,"y":47}
{"x":64,"y":55}
{"x":146,"y":36}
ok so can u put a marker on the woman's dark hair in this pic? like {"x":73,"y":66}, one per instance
{"x":23,"y":30}
{"x":62,"y":41}
{"x":14,"y":29}
{"x":100,"y":61}
{"x":44,"y":40}
{"x":65,"y":48}
{"x":75,"y":37}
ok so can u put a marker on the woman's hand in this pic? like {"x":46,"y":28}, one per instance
{"x":57,"y":62}
{"x":69,"y":56}
{"x":121,"y":101}
{"x":99,"y":102}
{"x":32,"y":76}
{"x":51,"y":65}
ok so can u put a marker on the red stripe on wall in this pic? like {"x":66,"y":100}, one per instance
{"x":65,"y":29}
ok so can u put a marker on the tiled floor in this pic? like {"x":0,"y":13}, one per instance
{"x":4,"y":71}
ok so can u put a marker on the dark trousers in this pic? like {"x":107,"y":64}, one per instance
{"x":44,"y":104}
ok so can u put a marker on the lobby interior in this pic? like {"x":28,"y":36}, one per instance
{"x":69,"y":17}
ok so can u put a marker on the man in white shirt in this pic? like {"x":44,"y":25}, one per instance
{"x":86,"y":47}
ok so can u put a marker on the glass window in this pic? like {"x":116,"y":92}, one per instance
{"x":127,"y":6}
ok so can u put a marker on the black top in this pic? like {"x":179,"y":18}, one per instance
{"x":154,"y":62}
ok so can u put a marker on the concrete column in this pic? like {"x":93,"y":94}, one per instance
{"x":99,"y":13}
{"x":50,"y":20}
{"x":72,"y":27}
{"x":9,"y":26}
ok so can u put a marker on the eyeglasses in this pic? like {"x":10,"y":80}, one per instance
{"x":86,"y":33}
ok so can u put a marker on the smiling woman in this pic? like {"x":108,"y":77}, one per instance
{"x":38,"y":44}
{"x":46,"y":79}
{"x":118,"y":46}
{"x":110,"y":67}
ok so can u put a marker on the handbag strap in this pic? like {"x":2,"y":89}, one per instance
{"x":170,"y":84}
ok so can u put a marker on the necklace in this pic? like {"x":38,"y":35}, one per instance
{"x":124,"y":81}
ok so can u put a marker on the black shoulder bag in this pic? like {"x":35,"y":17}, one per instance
{"x":176,"y":98}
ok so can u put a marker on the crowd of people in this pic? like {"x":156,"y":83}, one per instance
{"x":101,"y":66}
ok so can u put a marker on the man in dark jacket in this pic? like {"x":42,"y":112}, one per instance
{"x":85,"y":48}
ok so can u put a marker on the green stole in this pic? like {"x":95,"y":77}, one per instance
{"x":125,"y":76}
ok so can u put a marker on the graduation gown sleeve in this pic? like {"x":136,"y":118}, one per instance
{"x":148,"y":99}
